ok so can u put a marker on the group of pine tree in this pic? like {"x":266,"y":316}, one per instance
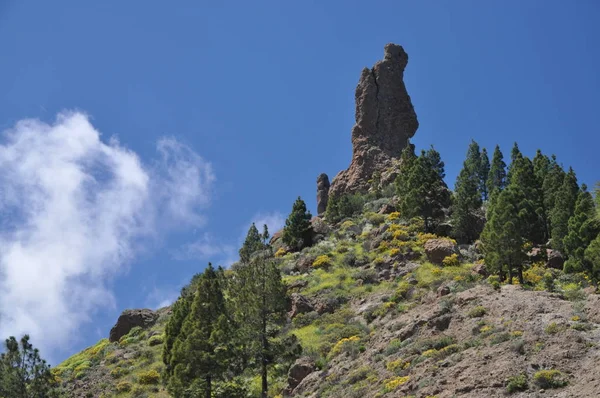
{"x":532,"y":202}
{"x":230,"y":324}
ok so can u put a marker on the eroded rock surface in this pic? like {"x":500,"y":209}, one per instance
{"x":130,"y":319}
{"x":385,"y":121}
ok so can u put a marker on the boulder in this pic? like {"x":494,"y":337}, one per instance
{"x":322,"y":193}
{"x":320,"y":229}
{"x":385,"y":121}
{"x":480,"y":269}
{"x":300,"y":305}
{"x":130,"y":319}
{"x":298,"y":372}
{"x":438,"y":249}
{"x":555,"y":259}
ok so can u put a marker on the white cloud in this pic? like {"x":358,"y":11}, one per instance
{"x":73,"y":210}
{"x":206,"y":247}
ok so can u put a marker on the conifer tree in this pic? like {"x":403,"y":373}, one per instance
{"x":252,"y":243}
{"x":541,"y":167}
{"x":497,"y":177}
{"x":501,"y":237}
{"x":467,"y":198}
{"x":564,"y":207}
{"x":201,"y":353}
{"x":484,"y":173}
{"x":550,"y":187}
{"x":407,"y":161}
{"x":582,"y":229}
{"x":261,"y":304}
{"x":297,"y":232}
{"x":23,"y":373}
{"x":530,"y":206}
{"x":425,"y":193}
{"x":592,"y":258}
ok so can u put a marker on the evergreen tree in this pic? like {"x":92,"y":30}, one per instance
{"x":552,"y":183}
{"x":202,"y":350}
{"x":564,"y":207}
{"x":23,"y":373}
{"x":484,"y":173}
{"x":253,"y":243}
{"x":497,"y":176}
{"x":531,"y":204}
{"x":297,"y":232}
{"x":467,"y":198}
{"x":425,"y":193}
{"x":582,"y":229}
{"x":261,"y":304}
{"x":541,"y":167}
{"x":501,"y":237}
{"x":407,"y":162}
{"x":592,"y":258}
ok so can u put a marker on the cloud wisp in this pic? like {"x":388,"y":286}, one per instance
{"x":73,"y":210}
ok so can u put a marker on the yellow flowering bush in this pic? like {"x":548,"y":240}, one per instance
{"x":394,"y":216}
{"x":397,"y":365}
{"x":392,"y":384}
{"x":394,"y":252}
{"x":323,"y":261}
{"x":451,"y":261}
{"x":150,"y":377}
{"x":280,"y":252}
{"x":344,"y":345}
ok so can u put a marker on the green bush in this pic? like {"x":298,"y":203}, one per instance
{"x":517,"y":383}
{"x":155,"y":340}
{"x":123,"y":386}
{"x":344,"y":206}
{"x":554,"y":328}
{"x":150,"y":377}
{"x":549,"y":378}
{"x":477,"y":312}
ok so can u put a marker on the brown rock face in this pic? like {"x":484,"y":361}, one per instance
{"x":385,"y":121}
{"x":438,"y":249}
{"x":298,"y":372}
{"x":130,"y":319}
{"x":322,"y":193}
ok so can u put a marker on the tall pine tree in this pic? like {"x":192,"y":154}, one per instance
{"x":261,"y":304}
{"x":497,"y":176}
{"x":484,"y":173}
{"x":551,"y":185}
{"x":297,"y":232}
{"x":424,"y":193}
{"x":564,"y":207}
{"x":202,"y":351}
{"x":466,"y":207}
{"x":582,"y":229}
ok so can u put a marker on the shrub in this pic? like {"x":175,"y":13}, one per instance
{"x":549,"y":378}
{"x":323,"y":261}
{"x":477,"y":312}
{"x":123,"y":386}
{"x":280,"y":252}
{"x":392,"y":384}
{"x":451,"y":261}
{"x":517,"y":383}
{"x":348,"y":345}
{"x":375,"y":218}
{"x":553,"y":328}
{"x":155,"y":340}
{"x":150,"y":377}
{"x":494,"y":281}
{"x":344,"y":206}
{"x":397,"y":365}
{"x":573,"y":292}
{"x":393,"y":216}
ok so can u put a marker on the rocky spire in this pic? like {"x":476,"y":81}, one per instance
{"x":322,"y":193}
{"x":385,"y":121}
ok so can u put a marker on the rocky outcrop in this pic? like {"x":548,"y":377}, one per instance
{"x":130,"y":319}
{"x":322,"y":193}
{"x":555,"y":259}
{"x":298,"y":372}
{"x":438,"y":249}
{"x":385,"y":121}
{"x":300,"y":305}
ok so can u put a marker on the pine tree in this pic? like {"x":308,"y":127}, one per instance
{"x":541,"y":166}
{"x":541,"y":169}
{"x":467,"y":198}
{"x":552,"y":183}
{"x":592,"y":258}
{"x":564,"y":207}
{"x":501,"y":237}
{"x":23,"y":373}
{"x":202,"y":351}
{"x":582,"y":229}
{"x":253,"y":243}
{"x":425,"y":193}
{"x":484,"y":173}
{"x":531,"y":204}
{"x":261,"y":304}
{"x":497,"y":176}
{"x":297,"y":232}
{"x":407,"y":161}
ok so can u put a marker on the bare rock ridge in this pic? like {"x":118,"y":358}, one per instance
{"x":130,"y":319}
{"x":385,"y":121}
{"x":322,"y":193}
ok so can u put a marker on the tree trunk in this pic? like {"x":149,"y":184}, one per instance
{"x":520,"y":270}
{"x":510,"y":275}
{"x":208,"y":386}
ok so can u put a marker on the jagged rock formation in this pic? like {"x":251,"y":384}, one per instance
{"x":385,"y":121}
{"x":130,"y":319}
{"x":322,"y":193}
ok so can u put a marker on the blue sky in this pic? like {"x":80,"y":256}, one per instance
{"x":238,"y":106}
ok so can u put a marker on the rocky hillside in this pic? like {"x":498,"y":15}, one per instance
{"x":383,"y":309}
